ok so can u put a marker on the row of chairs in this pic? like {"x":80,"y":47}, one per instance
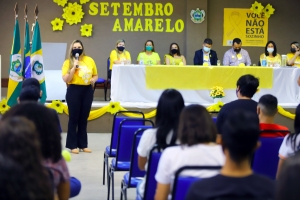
{"x":126,"y":134}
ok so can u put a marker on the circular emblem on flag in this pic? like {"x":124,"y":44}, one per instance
{"x":16,"y":68}
{"x":197,"y":16}
{"x":37,"y":67}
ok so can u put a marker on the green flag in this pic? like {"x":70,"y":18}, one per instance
{"x":37,"y":61}
{"x":15,"y":69}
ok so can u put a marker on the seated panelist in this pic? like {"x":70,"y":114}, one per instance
{"x":293,"y":58}
{"x":148,"y":56}
{"x":119,"y":55}
{"x":206,"y":55}
{"x":271,"y":57}
{"x":236,"y":56}
{"x":174,"y":57}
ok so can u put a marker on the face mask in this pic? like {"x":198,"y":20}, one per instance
{"x":174,"y":51}
{"x":121,"y":48}
{"x":293,"y":50}
{"x":149,"y":48}
{"x":237,"y":50}
{"x":79,"y":51}
{"x":270,"y":50}
{"x":206,"y":49}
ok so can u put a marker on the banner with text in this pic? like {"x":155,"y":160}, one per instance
{"x":251,"y":28}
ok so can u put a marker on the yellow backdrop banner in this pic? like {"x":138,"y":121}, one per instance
{"x":251,"y":28}
{"x":202,"y":78}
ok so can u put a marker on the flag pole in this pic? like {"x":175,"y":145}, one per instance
{"x":16,"y":11}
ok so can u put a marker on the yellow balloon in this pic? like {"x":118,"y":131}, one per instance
{"x":66,"y":155}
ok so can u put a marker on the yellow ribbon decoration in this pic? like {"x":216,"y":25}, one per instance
{"x":114,"y":107}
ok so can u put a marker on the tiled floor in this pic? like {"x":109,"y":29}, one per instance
{"x":87,"y":167}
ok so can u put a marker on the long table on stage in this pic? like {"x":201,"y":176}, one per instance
{"x":138,"y":84}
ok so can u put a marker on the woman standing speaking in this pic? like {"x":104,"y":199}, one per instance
{"x":80,"y":73}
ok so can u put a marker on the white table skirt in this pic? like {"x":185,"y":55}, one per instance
{"x":128,"y":87}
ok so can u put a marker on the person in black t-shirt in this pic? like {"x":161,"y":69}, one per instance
{"x":246,"y":87}
{"x":240,"y":138}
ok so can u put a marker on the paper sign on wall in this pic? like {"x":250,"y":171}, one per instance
{"x":251,"y":28}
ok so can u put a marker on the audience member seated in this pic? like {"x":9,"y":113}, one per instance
{"x":293,"y":58}
{"x":197,"y":135}
{"x":266,"y":110}
{"x":240,"y":138}
{"x":273,"y":59}
{"x":291,"y":143}
{"x":50,"y":140}
{"x":119,"y":55}
{"x":206,"y":55}
{"x":22,"y":175}
{"x":246,"y":87}
{"x":148,"y":56}
{"x":289,"y":176}
{"x":168,"y":110}
{"x":236,"y":56}
{"x":174,"y":57}
{"x":12,"y":180}
{"x":31,"y":91}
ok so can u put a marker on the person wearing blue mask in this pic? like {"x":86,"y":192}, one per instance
{"x":206,"y":56}
{"x":148,"y":56}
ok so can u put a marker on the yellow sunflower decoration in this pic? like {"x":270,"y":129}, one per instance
{"x":257,"y":7}
{"x":3,"y":106}
{"x":58,"y":106}
{"x":57,"y":24}
{"x":86,"y":30}
{"x":215,"y":107}
{"x":269,"y":10}
{"x":217,"y":92}
{"x":113,"y":107}
{"x":84,"y":1}
{"x":73,"y":13}
{"x":60,"y":2}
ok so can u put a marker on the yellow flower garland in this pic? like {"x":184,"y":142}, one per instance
{"x":114,"y":107}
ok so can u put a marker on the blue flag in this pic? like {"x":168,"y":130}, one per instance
{"x":27,"y":66}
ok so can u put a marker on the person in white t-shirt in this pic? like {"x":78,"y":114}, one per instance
{"x":291,"y":142}
{"x":197,"y":135}
{"x":168,"y":110}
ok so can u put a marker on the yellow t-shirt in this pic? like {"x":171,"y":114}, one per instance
{"x":273,"y":62}
{"x":297,"y":61}
{"x":114,"y":55}
{"x":148,"y":59}
{"x":87,"y":68}
{"x":174,"y":61}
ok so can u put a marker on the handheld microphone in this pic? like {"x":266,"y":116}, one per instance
{"x":76,"y":57}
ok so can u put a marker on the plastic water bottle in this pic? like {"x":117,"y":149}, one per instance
{"x":264,"y":61}
{"x":283,"y":60}
{"x":141,"y":60}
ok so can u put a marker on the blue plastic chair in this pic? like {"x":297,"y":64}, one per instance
{"x":214,"y":119}
{"x":122,"y":160}
{"x":110,"y":151}
{"x":266,"y":159}
{"x":150,"y":185}
{"x":182,"y":183}
{"x":135,"y":175}
{"x":100,"y":81}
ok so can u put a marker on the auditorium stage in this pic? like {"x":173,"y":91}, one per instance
{"x":103,"y":124}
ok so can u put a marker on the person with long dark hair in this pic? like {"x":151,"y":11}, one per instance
{"x":197,"y":136}
{"x":80,"y":74}
{"x":175,"y":57}
{"x":293,"y":58}
{"x":291,"y":142}
{"x":148,"y":56}
{"x":288,"y":179}
{"x":273,"y":59}
{"x":168,"y":110}
{"x":50,"y":142}
{"x":29,"y":179}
